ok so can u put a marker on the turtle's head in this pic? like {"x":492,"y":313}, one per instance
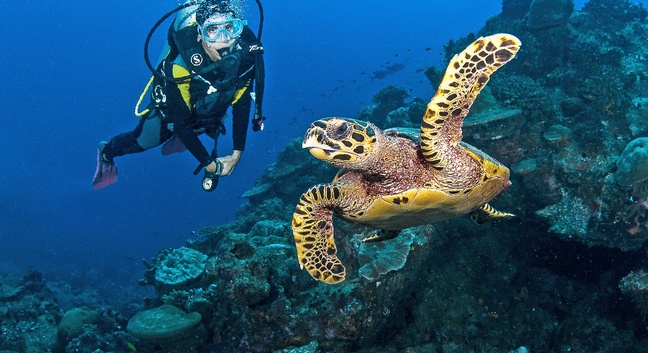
{"x":343,"y":143}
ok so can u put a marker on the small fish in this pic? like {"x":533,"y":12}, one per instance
{"x":391,"y":69}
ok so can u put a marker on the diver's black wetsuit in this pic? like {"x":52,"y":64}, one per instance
{"x":198,"y":105}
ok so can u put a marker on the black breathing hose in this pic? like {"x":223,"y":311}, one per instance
{"x":260,"y":19}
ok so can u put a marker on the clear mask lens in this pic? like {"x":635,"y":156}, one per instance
{"x":222,"y":31}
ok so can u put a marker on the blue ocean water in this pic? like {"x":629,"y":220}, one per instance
{"x":73,"y":73}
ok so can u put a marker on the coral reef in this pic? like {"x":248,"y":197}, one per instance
{"x":32,"y":322}
{"x":633,"y":163}
{"x":560,"y":115}
{"x":581,"y":101}
{"x":281,"y":178}
{"x":28,"y":314}
{"x":180,"y":266}
{"x":566,"y":275}
{"x":635,"y":285}
{"x":549,"y":13}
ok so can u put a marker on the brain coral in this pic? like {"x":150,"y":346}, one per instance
{"x":180,"y":266}
{"x":632,"y":165}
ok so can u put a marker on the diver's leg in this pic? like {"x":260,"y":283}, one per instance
{"x":150,"y":132}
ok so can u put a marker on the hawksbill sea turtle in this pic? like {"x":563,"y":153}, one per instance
{"x":400,"y":178}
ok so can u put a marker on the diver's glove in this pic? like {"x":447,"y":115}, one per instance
{"x":257,"y":123}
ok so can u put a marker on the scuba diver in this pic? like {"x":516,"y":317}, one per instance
{"x":212,"y":60}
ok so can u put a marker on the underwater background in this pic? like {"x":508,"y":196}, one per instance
{"x":565,"y":275}
{"x":75,"y":73}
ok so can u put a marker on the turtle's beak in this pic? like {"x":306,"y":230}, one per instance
{"x":319,"y":153}
{"x":316,"y":138}
{"x":316,"y":142}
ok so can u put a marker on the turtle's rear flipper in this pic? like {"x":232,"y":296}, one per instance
{"x":488,"y":214}
{"x":381,"y":235}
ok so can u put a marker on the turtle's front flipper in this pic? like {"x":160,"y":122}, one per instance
{"x":487,"y":213}
{"x":312,"y":225}
{"x":466,"y":75}
{"x":381,"y":235}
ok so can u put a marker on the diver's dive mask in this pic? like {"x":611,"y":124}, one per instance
{"x":223,"y":30}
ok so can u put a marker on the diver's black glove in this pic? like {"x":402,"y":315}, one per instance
{"x":257,"y":123}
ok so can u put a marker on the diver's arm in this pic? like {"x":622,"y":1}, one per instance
{"x":240,"y":120}
{"x":241,"y":115}
{"x":178,"y":102}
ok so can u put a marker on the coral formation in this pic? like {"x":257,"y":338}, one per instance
{"x":289,"y":173}
{"x":169,"y":328}
{"x":557,"y":133}
{"x":638,"y":116}
{"x":180,"y":266}
{"x":73,"y":321}
{"x":635,"y":285}
{"x":549,"y":13}
{"x":382,"y":257}
{"x":28,"y":315}
{"x":490,"y":120}
{"x":32,"y":322}
{"x":161,"y":323}
{"x":633,"y":163}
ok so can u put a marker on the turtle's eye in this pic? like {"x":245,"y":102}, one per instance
{"x":340,"y":131}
